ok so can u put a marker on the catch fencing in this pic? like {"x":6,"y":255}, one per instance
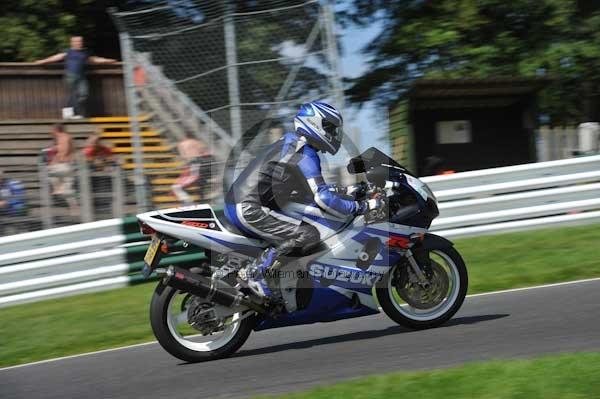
{"x":108,"y":254}
{"x":228,"y":71}
{"x":69,"y":193}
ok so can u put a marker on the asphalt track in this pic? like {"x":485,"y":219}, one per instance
{"x":515,"y":324}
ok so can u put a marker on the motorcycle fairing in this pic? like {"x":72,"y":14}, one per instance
{"x":328,"y":225}
{"x":334,"y":298}
{"x":219,"y":239}
{"x":340,"y":288}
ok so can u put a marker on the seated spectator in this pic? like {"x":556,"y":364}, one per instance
{"x":98,"y":155}
{"x":12,"y":197}
{"x":60,"y":167}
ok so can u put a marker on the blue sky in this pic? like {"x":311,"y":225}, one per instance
{"x":369,"y":120}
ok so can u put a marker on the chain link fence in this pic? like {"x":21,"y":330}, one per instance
{"x":84,"y":191}
{"x":69,"y":193}
{"x":232,"y":74}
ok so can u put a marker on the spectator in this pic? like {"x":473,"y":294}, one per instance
{"x":97,"y":154}
{"x":76,"y":59}
{"x":139,"y":76}
{"x":100,"y":159}
{"x":12,"y":201}
{"x":196,"y":156}
{"x":60,"y":167}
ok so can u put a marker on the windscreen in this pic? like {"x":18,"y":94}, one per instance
{"x":372,"y":158}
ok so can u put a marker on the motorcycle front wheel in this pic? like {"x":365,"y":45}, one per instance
{"x":169,"y":315}
{"x":415,"y":306}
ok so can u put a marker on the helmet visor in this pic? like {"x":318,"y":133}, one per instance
{"x":333,"y":132}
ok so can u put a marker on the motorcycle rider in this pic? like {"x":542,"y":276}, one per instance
{"x":291,"y":167}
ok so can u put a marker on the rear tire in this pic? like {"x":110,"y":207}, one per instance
{"x":176,"y":345}
{"x":400,"y":313}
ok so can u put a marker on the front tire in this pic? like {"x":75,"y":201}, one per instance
{"x":414,"y":313}
{"x":164,"y":325}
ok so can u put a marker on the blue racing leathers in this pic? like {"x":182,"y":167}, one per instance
{"x":288,"y":170}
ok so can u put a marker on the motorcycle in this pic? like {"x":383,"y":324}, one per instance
{"x":384,"y":260}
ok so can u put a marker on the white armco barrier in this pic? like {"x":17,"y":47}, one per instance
{"x":60,"y":265}
{"x":68,"y":248}
{"x":60,"y":235}
{"x":518,"y":197}
{"x":529,"y":212}
{"x":518,"y":185}
{"x":58,"y":292}
{"x":520,"y":200}
{"x":514,"y":173}
{"x":92,"y":256}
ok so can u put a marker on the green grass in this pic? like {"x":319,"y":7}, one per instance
{"x":109,"y":319}
{"x":531,"y":258}
{"x":77,"y":324}
{"x":561,"y":377}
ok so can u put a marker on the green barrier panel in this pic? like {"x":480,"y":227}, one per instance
{"x":130,"y":225}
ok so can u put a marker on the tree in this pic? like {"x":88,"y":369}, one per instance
{"x":33,"y":29}
{"x":559,"y":39}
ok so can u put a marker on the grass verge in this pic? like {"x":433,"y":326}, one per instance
{"x":562,"y":376}
{"x":525,"y":259}
{"x":97,"y":321}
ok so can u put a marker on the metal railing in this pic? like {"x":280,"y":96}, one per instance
{"x":108,"y":254}
{"x":89,"y":192}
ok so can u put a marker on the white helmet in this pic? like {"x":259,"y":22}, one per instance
{"x":321,"y":124}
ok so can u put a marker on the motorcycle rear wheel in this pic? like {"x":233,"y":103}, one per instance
{"x":406,"y":303}
{"x":193,"y":347}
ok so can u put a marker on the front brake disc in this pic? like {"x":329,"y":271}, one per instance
{"x":426,"y":298}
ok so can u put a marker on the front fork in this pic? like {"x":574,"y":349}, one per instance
{"x":420,"y":264}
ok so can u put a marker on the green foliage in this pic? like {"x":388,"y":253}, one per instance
{"x":29,"y":29}
{"x":34,"y":29}
{"x":483,"y":38}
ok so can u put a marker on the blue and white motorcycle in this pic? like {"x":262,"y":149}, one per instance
{"x":386,"y":260}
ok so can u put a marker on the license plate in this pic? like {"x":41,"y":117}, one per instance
{"x":152,"y":254}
